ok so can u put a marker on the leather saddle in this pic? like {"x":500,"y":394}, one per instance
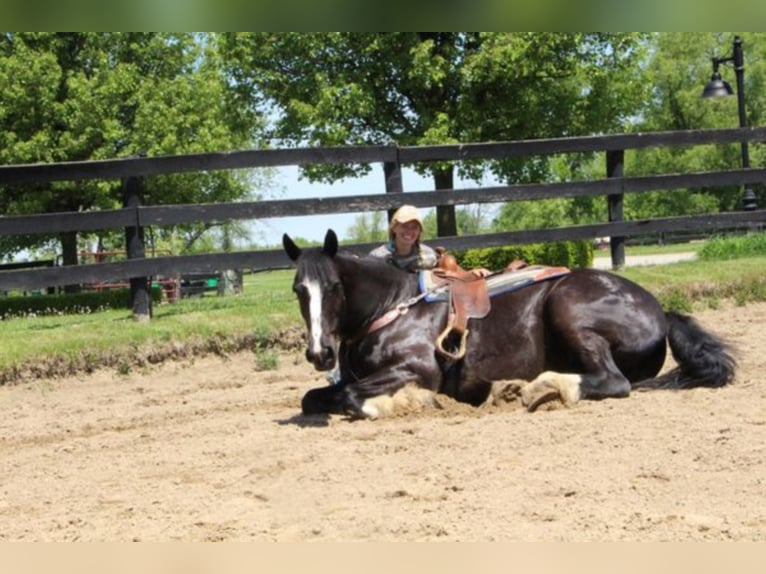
{"x":468,"y":299}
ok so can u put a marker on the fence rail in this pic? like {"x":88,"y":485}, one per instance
{"x":140,"y":167}
{"x":134,"y":216}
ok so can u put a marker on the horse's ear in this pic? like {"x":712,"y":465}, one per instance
{"x":330,"y":243}
{"x":293,"y":251}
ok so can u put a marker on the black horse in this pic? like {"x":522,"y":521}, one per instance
{"x":585,"y":335}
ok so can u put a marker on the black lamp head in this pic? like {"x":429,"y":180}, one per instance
{"x":717,"y":87}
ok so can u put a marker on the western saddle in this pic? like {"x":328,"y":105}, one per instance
{"x":468,"y":299}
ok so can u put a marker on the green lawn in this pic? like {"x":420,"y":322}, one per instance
{"x":267,"y":307}
{"x":691,"y":247}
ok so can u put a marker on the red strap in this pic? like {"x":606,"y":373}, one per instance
{"x":385,"y":319}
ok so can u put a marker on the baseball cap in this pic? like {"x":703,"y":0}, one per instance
{"x":404,"y":214}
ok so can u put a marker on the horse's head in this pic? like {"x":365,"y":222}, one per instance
{"x":320,"y":295}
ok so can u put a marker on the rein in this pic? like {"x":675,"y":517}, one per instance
{"x":401,"y":309}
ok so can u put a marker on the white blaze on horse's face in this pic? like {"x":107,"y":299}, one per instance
{"x":314,"y":292}
{"x":319,"y":311}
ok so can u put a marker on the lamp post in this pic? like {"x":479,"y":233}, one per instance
{"x":717,"y":87}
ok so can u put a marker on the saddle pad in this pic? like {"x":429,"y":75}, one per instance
{"x":497,"y":283}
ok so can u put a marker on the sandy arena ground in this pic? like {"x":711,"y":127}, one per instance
{"x":213,"y":450}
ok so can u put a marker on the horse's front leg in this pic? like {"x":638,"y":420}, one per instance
{"x":378,"y":395}
{"x":324,"y":400}
{"x":387,"y":392}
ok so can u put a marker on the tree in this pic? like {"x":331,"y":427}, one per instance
{"x":368,"y":228}
{"x":679,"y":67}
{"x":435,"y":88}
{"x":86,"y":96}
{"x":542,"y":213}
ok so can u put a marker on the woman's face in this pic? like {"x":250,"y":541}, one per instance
{"x":406,"y":234}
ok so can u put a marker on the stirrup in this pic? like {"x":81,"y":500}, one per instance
{"x":460,"y":353}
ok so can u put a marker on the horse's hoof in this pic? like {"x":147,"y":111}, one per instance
{"x":538,"y":393}
{"x":323,"y":400}
{"x":549,"y":386}
{"x":408,"y":399}
{"x":505,"y":391}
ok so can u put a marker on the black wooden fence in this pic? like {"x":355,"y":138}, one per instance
{"x":134,"y":217}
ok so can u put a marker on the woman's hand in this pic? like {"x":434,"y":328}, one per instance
{"x":480,"y":272}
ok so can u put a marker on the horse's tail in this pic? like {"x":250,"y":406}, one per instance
{"x":703,"y":359}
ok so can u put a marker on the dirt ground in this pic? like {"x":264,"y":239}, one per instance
{"x":213,"y":450}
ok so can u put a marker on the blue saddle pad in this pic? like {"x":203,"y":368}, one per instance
{"x":496,"y":283}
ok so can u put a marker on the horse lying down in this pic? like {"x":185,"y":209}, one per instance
{"x":586,"y":334}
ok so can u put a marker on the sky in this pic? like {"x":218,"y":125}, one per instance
{"x":313,"y":227}
{"x":269,"y":231}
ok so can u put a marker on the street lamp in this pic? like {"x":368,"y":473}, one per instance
{"x":717,"y":87}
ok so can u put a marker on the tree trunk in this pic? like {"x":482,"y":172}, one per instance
{"x":446,"y":224}
{"x":69,"y":256}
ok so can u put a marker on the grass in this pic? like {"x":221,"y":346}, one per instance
{"x":687,"y":285}
{"x":733,"y":247}
{"x":265,"y":317}
{"x":64,"y":343}
{"x":727,"y":267}
{"x":692,"y":247}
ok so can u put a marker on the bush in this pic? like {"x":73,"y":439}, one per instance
{"x":69,"y":303}
{"x":675,"y":300}
{"x":733,"y":247}
{"x":564,"y":253}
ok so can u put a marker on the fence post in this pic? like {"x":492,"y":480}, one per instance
{"x":392,"y":170}
{"x":615,"y":161}
{"x":446,"y":222}
{"x":140,"y":295}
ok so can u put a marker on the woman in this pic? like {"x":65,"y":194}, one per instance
{"x":404,"y":249}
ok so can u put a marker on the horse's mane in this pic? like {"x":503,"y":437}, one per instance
{"x":396,"y":284}
{"x":383,"y":270}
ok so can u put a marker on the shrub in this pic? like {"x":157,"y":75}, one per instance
{"x":733,"y":247}
{"x":675,"y":300}
{"x":565,"y":253}
{"x":69,"y":303}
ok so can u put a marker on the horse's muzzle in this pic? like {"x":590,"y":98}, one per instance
{"x":322,"y":361}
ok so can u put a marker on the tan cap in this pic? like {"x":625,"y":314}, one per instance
{"x":404,"y":214}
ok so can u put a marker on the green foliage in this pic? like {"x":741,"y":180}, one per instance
{"x":750,"y":291}
{"x":90,"y":96}
{"x":564,"y":253}
{"x":675,"y":66}
{"x":265,"y":314}
{"x":727,"y":268}
{"x":675,"y":300}
{"x":266,"y":359}
{"x":419,"y":88}
{"x":549,"y":213}
{"x":68,"y":303}
{"x":369,"y":228}
{"x":678,"y":68}
{"x":670,"y":203}
{"x":537,"y":85}
{"x":733,"y":247}
{"x":79,"y":96}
